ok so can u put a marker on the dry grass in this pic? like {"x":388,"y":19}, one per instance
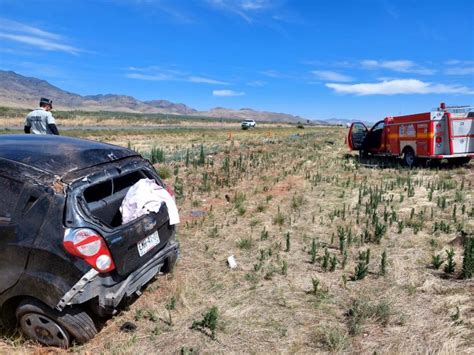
{"x":314,"y":185}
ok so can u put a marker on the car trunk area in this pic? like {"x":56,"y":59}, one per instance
{"x":94,"y":202}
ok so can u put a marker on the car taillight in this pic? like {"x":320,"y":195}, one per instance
{"x":439,"y":139}
{"x":89,"y":245}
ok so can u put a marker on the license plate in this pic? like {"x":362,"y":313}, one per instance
{"x":145,"y":245}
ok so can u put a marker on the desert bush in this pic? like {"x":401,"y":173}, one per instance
{"x":164,"y":172}
{"x":362,"y":310}
{"x":362,"y":267}
{"x":202,"y":156}
{"x":383,"y":263}
{"x":436,"y":261}
{"x":326,"y":260}
{"x":279,"y":218}
{"x":170,"y":306}
{"x":313,"y":252}
{"x":157,"y":155}
{"x":450,"y":266}
{"x":468,"y":258}
{"x":284,"y":268}
{"x":245,"y":243}
{"x":210,"y":321}
{"x":331,"y":339}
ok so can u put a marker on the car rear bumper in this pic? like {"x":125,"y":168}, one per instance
{"x":110,"y":291}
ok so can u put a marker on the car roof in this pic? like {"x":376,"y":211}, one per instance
{"x":59,"y":155}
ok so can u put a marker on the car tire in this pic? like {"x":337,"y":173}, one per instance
{"x":408,"y":158}
{"x":53,"y":328}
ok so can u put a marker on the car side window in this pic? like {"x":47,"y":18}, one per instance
{"x":378,"y":126}
{"x":358,"y":128}
{"x":9,"y":193}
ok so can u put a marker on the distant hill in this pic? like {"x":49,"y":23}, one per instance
{"x":24,"y":92}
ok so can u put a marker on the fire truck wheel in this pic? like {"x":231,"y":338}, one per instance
{"x":408,"y":157}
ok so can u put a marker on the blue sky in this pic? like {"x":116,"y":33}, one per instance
{"x":354,"y":59}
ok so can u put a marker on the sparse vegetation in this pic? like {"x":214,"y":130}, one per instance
{"x":302,"y":217}
{"x":450,"y":266}
{"x":468,"y":258}
{"x":209,"y":321}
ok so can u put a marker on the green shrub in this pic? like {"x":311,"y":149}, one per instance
{"x":450,"y":266}
{"x":436,"y":261}
{"x":209,"y":321}
{"x":157,"y":155}
{"x":468,"y":258}
{"x":164,"y":172}
{"x":245,"y":243}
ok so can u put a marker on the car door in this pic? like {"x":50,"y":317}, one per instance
{"x":357,"y":134}
{"x":23,"y":208}
{"x":375,"y":140}
{"x":12,"y":263}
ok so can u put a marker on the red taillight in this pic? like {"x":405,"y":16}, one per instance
{"x":89,"y":246}
{"x":439,"y":139}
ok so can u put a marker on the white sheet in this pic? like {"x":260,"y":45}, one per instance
{"x":146,"y":196}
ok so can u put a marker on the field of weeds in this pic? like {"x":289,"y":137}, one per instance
{"x":333,"y":254}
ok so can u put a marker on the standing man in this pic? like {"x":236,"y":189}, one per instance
{"x":41,"y":121}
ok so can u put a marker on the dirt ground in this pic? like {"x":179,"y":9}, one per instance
{"x":299,"y":213}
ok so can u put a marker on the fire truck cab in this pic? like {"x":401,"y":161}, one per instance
{"x":445,"y":133}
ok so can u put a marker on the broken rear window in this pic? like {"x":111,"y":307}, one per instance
{"x":104,"y":199}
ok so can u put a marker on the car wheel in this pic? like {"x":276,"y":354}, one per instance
{"x":53,"y":328}
{"x":409,"y":157}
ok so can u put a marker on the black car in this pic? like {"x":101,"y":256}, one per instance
{"x":65,"y":255}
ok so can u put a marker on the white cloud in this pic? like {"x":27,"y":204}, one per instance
{"x":459,"y":62}
{"x":203,"y":80}
{"x":329,"y":75}
{"x":401,"y":66}
{"x":253,"y":5}
{"x":151,"y":77}
{"x":246,"y":9}
{"x":17,"y":27}
{"x":399,"y":86}
{"x":25,"y":34}
{"x":272,"y":73}
{"x":460,"y":71}
{"x":40,"y":43}
{"x":257,"y":83}
{"x":156,"y":73}
{"x":227,"y":93}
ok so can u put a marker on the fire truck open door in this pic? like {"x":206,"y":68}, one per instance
{"x":357,"y":134}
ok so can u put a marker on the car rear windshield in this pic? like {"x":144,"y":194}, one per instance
{"x":105,"y":198}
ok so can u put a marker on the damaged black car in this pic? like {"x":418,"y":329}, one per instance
{"x":66,"y":256}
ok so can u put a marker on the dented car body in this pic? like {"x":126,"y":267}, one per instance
{"x":64,"y":253}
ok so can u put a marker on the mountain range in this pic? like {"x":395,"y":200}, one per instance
{"x":24,"y":92}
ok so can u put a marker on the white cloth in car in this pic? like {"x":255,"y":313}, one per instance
{"x":147,"y":196}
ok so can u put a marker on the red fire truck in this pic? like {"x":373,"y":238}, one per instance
{"x":446,"y":133}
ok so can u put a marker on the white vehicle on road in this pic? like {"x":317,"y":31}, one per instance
{"x":248,"y":124}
